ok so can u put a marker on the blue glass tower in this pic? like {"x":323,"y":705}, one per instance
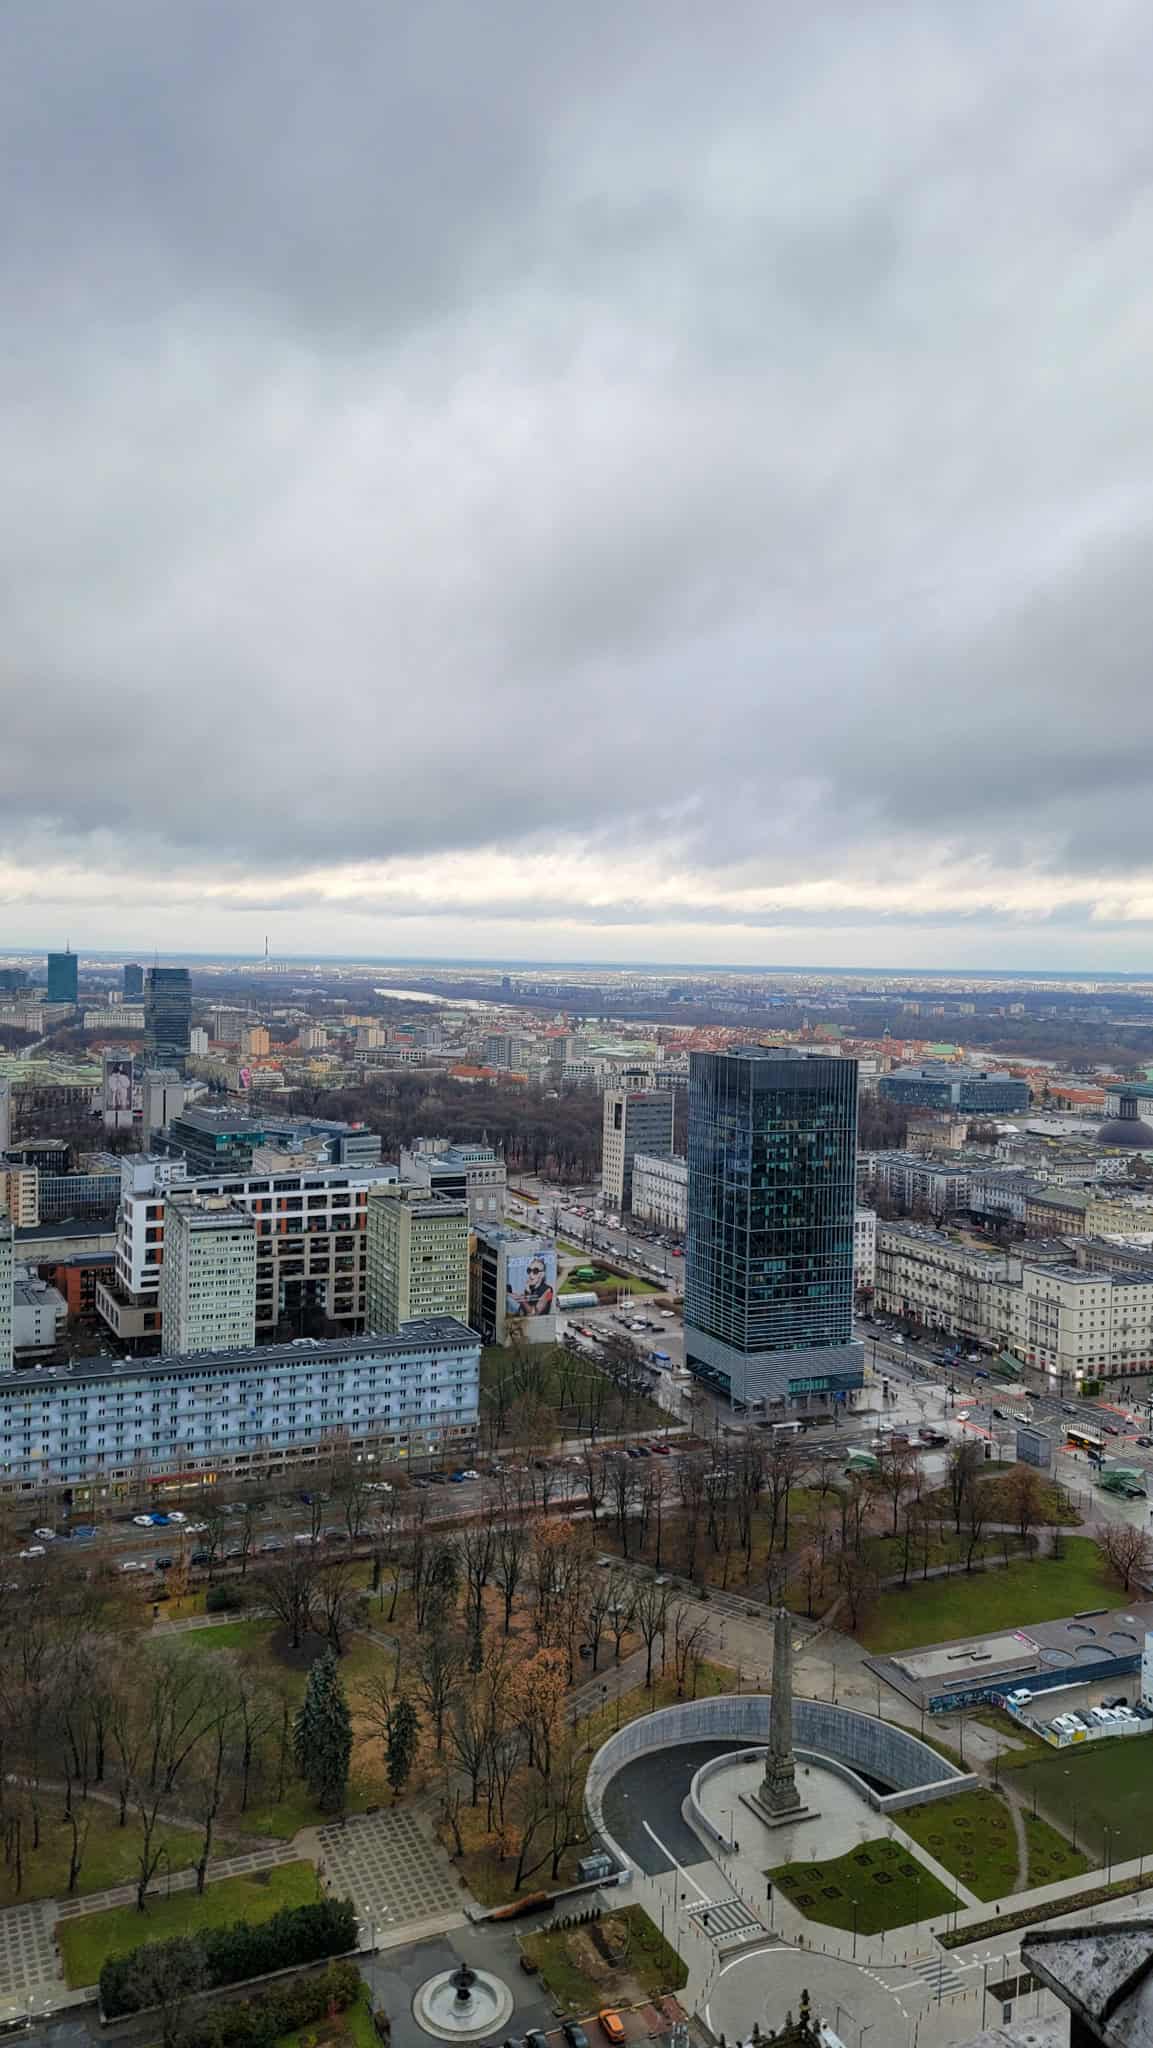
{"x":772,"y":1146}
{"x":62,"y":977}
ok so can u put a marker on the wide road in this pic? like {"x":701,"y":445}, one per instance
{"x":643,"y":1808}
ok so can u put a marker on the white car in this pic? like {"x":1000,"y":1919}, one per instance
{"x":142,"y":1521}
{"x":133,"y":1564}
{"x":34,"y":1550}
{"x":1019,"y":1697}
{"x":195,"y":1528}
{"x":177,"y":1515}
{"x":1066,"y":1723}
{"x":472,"y":1475}
{"x":45,"y":1535}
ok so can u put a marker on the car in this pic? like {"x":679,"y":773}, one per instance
{"x":470,"y":1474}
{"x":456,"y":1478}
{"x":642,"y":1451}
{"x":201,"y":1557}
{"x":631,"y":1451}
{"x":143,"y":1521}
{"x":535,"y":2039}
{"x":195,"y":1528}
{"x":163,"y":1564}
{"x":303,"y":1536}
{"x":1124,"y":1713}
{"x":45,"y":1535}
{"x":1102,"y":1715}
{"x":177,"y":1515}
{"x":1018,"y":1697}
{"x":1145,"y":1442}
{"x":270,"y":1544}
{"x":159,"y":1520}
{"x":661,"y":1450}
{"x":1116,"y":1699}
{"x":612,"y":2027}
{"x":34,"y":1550}
{"x":234,"y":1550}
{"x":575,"y":2034}
{"x":1067,"y":1408}
{"x":134,"y":1564}
{"x":1110,"y":1429}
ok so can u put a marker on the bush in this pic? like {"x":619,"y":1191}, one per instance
{"x":222,"y":1600}
{"x":297,"y":1934}
{"x":259,"y":2022}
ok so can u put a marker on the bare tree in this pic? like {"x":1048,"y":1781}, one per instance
{"x":440,"y":1663}
{"x":289,"y":1587}
{"x":651,"y":1613}
{"x":1126,"y":1550}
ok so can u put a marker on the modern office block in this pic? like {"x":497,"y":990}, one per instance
{"x":168,"y":1016}
{"x":635,"y":1120}
{"x":133,"y":980}
{"x":771,"y":1200}
{"x":63,"y":985}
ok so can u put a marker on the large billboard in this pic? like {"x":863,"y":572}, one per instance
{"x":530,"y":1284}
{"x":117,"y":1091}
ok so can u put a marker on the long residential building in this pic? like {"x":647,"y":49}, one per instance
{"x":916,"y":1182}
{"x":101,"y":1425}
{"x":661,"y":1190}
{"x":310,"y":1240}
{"x":1072,"y":1321}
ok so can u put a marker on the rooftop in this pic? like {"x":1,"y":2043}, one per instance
{"x":428,"y":1333}
{"x":1103,"y":1974}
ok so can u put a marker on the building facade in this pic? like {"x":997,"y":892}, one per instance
{"x":63,"y":983}
{"x":132,"y":980}
{"x":168,"y":1016}
{"x":20,"y":1194}
{"x":7,"y":1277}
{"x":864,"y":1250}
{"x":310,"y":1240}
{"x":208,"y":1275}
{"x":417,"y":1253}
{"x":635,"y":1120}
{"x":768,"y":1310}
{"x":472,"y":1173}
{"x":186,"y":1421}
{"x":661,"y":1191}
{"x":942,"y":1086}
{"x":39,"y":1314}
{"x":513,"y":1286}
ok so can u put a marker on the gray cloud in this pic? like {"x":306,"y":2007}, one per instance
{"x":448,"y":428}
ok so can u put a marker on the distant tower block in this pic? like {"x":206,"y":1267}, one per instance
{"x":777,"y":1800}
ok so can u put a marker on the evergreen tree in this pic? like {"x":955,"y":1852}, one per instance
{"x":403,"y":1727}
{"x":322,"y":1735}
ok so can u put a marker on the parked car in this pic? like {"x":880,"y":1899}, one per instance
{"x":575,"y":2035}
{"x":134,"y":1564}
{"x":163,"y":1564}
{"x":535,"y":2039}
{"x":143,"y":1521}
{"x":45,"y":1535}
{"x":34,"y":1550}
{"x":201,"y":1557}
{"x":612,"y":2026}
{"x":177,"y":1515}
{"x":1019,"y":1697}
{"x":1117,"y":1699}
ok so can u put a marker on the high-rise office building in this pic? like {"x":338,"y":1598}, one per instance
{"x":133,"y":974}
{"x":208,"y":1279}
{"x":62,"y":977}
{"x":635,"y":1120}
{"x":168,"y":1016}
{"x":7,"y":1277}
{"x":771,"y":1199}
{"x":417,"y":1251}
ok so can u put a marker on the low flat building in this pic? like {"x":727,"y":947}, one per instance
{"x":99,"y":1425}
{"x":1082,"y":1649}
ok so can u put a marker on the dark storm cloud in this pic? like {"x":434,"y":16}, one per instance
{"x":441,"y":427}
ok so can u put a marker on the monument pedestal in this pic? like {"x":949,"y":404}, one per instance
{"x":771,"y":1817}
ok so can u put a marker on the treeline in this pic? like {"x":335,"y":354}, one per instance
{"x":539,"y":1131}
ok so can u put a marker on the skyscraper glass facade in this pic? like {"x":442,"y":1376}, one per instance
{"x":168,"y":1016}
{"x":62,"y":983}
{"x":772,"y":1139}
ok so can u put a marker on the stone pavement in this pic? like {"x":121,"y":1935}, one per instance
{"x":392,"y":1870}
{"x":178,"y":1881}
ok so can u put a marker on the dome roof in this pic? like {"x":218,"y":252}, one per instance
{"x":1125,"y":1130}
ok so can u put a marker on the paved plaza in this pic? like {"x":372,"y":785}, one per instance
{"x":390,"y":1868}
{"x":27,"y":1954}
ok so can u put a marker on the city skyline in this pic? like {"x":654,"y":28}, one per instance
{"x":603,"y":482}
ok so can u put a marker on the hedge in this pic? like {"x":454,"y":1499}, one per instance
{"x":297,"y":1934}
{"x":259,"y":2022}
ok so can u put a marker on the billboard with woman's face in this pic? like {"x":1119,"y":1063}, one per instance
{"x":531,"y":1284}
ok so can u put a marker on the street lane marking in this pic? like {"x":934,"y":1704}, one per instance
{"x":666,"y":1851}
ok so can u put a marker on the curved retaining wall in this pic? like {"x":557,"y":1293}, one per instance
{"x":837,"y":1738}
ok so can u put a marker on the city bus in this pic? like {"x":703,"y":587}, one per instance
{"x":1086,"y":1440}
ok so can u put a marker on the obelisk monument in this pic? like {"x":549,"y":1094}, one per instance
{"x":777,"y":1799}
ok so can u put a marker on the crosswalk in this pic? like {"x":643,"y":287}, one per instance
{"x":940,"y":1976}
{"x":725,"y":1920}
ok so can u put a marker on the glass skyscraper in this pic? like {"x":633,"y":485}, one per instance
{"x":772,"y":1146}
{"x":62,"y":977}
{"x":168,"y":1016}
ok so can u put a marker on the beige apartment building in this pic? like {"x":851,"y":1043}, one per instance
{"x":417,"y":1248}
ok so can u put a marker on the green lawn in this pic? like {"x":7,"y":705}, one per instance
{"x":888,"y":1884}
{"x":647,"y":1959}
{"x":1027,"y":1589}
{"x":1091,"y":1787}
{"x":229,"y":1635}
{"x":87,"y":1943}
{"x":972,"y":1835}
{"x":110,"y":1853}
{"x":1050,"y":1855}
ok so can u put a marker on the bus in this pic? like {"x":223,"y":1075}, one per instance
{"x":1086,"y":1440}
{"x":784,"y":1428}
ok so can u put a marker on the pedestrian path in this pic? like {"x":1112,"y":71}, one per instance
{"x":390,"y":1869}
{"x":179,"y":1881}
{"x":724,"y":1920}
{"x":940,"y":1976}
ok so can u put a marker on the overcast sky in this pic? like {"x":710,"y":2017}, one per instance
{"x":638,"y":481}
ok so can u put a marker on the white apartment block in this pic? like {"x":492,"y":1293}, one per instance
{"x":661,"y":1191}
{"x":208,"y":1278}
{"x":118,"y":1017}
{"x":195,"y":1421}
{"x":636,"y":1119}
{"x":39,"y":1314}
{"x":417,"y":1248}
{"x":864,"y":1249}
{"x":7,"y":1273}
{"x":310,"y":1238}
{"x":1070,"y":1322}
